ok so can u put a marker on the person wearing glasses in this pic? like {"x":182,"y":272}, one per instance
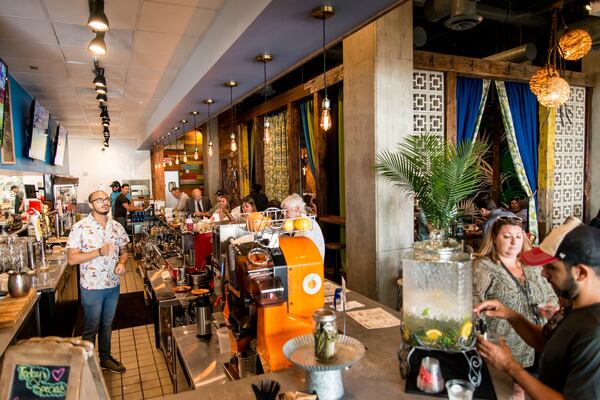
{"x":498,"y":274}
{"x":98,"y":244}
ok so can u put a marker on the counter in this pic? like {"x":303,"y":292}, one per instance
{"x":376,"y":376}
{"x":9,"y":334}
{"x":48,"y":281}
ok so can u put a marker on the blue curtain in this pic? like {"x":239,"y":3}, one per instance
{"x":304,"y":106}
{"x":468,"y":99}
{"x":524,"y":110}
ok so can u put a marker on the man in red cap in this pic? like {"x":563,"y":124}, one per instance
{"x":570,"y":341}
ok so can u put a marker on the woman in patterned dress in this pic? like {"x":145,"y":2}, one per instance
{"x":499,"y":274}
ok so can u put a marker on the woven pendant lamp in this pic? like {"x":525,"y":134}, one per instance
{"x":574,"y":44}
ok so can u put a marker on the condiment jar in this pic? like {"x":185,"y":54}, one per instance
{"x":325,"y":334}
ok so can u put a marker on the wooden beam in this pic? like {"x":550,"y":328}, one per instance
{"x":450,"y":95}
{"x":487,"y":69}
{"x":334,"y":76}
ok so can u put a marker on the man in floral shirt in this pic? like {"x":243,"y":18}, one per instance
{"x":99,"y":245}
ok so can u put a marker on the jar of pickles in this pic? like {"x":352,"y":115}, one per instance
{"x":325,"y":334}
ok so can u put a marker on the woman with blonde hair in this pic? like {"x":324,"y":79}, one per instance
{"x":499,"y":274}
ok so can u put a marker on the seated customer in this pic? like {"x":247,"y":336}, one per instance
{"x":294,"y":207}
{"x":499,"y":274}
{"x":570,"y":341}
{"x":222,"y":214}
{"x":518,"y":209}
{"x":246,"y":207}
{"x":489,"y":211}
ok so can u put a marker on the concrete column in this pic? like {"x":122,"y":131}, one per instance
{"x":212,"y":166}
{"x":378,"y":112}
{"x":591,"y":64}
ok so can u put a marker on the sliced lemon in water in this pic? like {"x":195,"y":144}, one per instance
{"x":465,"y":329}
{"x":433,"y":334}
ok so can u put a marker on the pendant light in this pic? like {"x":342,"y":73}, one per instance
{"x":170,"y":158}
{"x":232,"y":142}
{"x":183,"y":122}
{"x":164,"y":163}
{"x":194,"y":113}
{"x":97,"y":20}
{"x":208,"y":102}
{"x":265,"y":58}
{"x":175,"y":129}
{"x":97,"y":46}
{"x":323,"y":13}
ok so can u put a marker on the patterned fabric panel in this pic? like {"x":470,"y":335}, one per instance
{"x":428,"y":102}
{"x":569,"y":152}
{"x":276,"y":158}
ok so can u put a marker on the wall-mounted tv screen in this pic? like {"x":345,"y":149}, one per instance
{"x":60,"y":146}
{"x":3,"y":80}
{"x":39,"y":118}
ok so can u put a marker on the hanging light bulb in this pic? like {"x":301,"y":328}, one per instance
{"x":267,"y":126}
{"x":184,"y":158}
{"x":266,"y":92}
{"x":194,"y":113}
{"x":323,"y":13}
{"x":208,"y":102}
{"x":325,"y":122}
{"x":232,"y":144}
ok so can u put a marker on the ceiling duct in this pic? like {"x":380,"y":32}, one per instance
{"x":525,"y":52}
{"x":435,"y":10}
{"x":463,"y":15}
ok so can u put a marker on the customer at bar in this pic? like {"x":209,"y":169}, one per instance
{"x":311,"y":206}
{"x":260,"y":199}
{"x":198,"y":205}
{"x":181,"y":198}
{"x":570,"y":341}
{"x":294,"y":207}
{"x":499,"y":274}
{"x":516,"y":208}
{"x":98,"y":244}
{"x":223,"y":214}
{"x":246,"y":207}
{"x":489,"y":211}
{"x":116,"y":192}
{"x":218,"y":195}
{"x":122,"y":205}
{"x":19,"y":201}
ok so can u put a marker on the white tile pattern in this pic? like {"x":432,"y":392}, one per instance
{"x":428,"y":102}
{"x":569,"y":155}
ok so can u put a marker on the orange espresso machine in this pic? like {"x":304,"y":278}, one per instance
{"x":271,"y":295}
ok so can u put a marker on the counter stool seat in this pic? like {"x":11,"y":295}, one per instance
{"x":337,"y":248}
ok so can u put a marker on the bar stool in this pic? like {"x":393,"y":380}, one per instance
{"x":337,"y":249}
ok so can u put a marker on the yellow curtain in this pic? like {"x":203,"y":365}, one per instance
{"x":276,"y":158}
{"x":245,"y":175}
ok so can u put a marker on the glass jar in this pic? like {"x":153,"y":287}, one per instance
{"x":325,"y":334}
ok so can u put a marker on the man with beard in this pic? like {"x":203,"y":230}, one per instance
{"x":99,"y":245}
{"x":570,"y":341}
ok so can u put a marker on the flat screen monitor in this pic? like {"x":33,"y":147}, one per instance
{"x":30,"y":191}
{"x":38,"y":131}
{"x":3,"y":80}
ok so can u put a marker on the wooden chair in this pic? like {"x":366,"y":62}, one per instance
{"x":336,"y":248}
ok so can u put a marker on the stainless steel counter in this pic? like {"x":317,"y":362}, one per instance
{"x":8,"y":334}
{"x":48,"y":281}
{"x":200,"y":358}
{"x":163,"y":288}
{"x":376,"y":376}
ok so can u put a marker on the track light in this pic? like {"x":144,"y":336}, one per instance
{"x":104,"y":114}
{"x":97,"y":20}
{"x":105,"y":144}
{"x":99,"y":79}
{"x":105,"y":123}
{"x":101,"y":89}
{"x":102,"y":98}
{"x":97,"y":46}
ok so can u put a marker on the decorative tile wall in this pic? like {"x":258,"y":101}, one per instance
{"x":428,"y":102}
{"x":569,"y":154}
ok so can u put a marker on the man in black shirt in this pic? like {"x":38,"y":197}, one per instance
{"x":260,"y":199}
{"x":570,"y":341}
{"x":19,"y":203}
{"x":122,"y":205}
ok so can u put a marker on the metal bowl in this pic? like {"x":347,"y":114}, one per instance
{"x":18,"y":284}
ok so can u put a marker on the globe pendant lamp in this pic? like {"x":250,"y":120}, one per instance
{"x":232,"y":141}
{"x":208,"y":103}
{"x":323,"y":13}
{"x":266,"y":91}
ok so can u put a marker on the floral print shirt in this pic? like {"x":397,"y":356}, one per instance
{"x":88,"y":235}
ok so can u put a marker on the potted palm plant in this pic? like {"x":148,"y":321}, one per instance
{"x":439,"y":175}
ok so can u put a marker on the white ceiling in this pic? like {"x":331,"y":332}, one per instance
{"x":148,"y":43}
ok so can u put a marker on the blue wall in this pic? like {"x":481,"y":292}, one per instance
{"x":20,"y":103}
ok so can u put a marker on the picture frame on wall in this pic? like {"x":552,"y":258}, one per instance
{"x":7,"y":151}
{"x":61,"y":142}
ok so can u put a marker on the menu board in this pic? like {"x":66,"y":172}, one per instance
{"x":33,"y":382}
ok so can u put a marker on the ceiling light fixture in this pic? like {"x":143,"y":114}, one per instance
{"x":194,"y":113}
{"x":104,"y":112}
{"x":97,"y":46}
{"x":183,"y":122}
{"x":101,"y":89}
{"x":102,"y":98}
{"x":323,"y":13}
{"x":170,"y":160}
{"x":208,"y":102}
{"x":97,"y":20}
{"x":99,"y":79}
{"x":265,"y":58}
{"x":232,"y":142}
{"x":106,"y":122}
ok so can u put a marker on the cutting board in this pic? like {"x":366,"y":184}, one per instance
{"x":12,"y":308}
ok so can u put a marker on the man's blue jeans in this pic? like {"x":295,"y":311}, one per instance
{"x":99,"y":308}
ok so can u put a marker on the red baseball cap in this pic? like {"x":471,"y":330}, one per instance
{"x":573,"y":242}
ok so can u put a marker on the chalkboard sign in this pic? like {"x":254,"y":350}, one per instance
{"x":33,"y":382}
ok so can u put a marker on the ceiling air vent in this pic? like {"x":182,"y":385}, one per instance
{"x":463,"y":15}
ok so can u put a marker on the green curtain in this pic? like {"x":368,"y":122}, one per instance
{"x":276,"y":158}
{"x":311,"y":129}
